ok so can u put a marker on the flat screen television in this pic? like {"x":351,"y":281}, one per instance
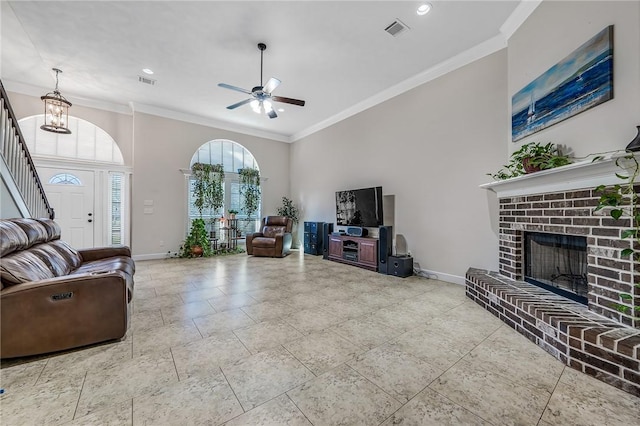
{"x":359,"y":207}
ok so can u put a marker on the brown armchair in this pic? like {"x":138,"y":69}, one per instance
{"x":274,"y":238}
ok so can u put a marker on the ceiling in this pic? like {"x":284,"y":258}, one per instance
{"x":335,"y":55}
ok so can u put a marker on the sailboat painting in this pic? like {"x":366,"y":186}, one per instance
{"x":580,"y":81}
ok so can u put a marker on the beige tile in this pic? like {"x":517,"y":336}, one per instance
{"x":343,"y":397}
{"x":79,"y":361}
{"x":395,"y":371}
{"x":270,"y":309}
{"x":144,"y":293}
{"x":431,"y":408}
{"x":266,"y":335}
{"x":262,"y":295}
{"x":490,"y":396}
{"x":322,"y":351}
{"x":398,"y":317}
{"x":116,"y":415}
{"x":146,"y":320}
{"x":201,"y":294}
{"x":509,"y":353}
{"x":49,"y":403}
{"x":223,"y":321}
{"x":584,"y":400}
{"x":156,"y":303}
{"x":203,"y":356}
{"x":193,"y":401}
{"x":135,"y":377}
{"x":279,"y":411}
{"x":173,"y":289}
{"x":347,"y":308}
{"x":233,"y":301}
{"x":261,"y":377}
{"x":181,"y":313}
{"x":13,"y":377}
{"x":365,"y":332}
{"x":311,"y":320}
{"x":160,"y":339}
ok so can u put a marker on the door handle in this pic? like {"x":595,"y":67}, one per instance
{"x":90,"y":220}
{"x":90,"y":214}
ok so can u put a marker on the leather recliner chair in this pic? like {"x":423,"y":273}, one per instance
{"x":274,"y":238}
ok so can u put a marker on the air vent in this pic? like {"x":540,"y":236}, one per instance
{"x":146,"y":80}
{"x":396,"y":28}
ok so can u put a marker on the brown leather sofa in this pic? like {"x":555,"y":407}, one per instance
{"x":273,"y":240}
{"x":53,"y":297}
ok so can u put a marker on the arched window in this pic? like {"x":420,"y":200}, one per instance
{"x":232,"y":156}
{"x":65,"y":179}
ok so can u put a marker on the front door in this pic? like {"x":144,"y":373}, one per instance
{"x":71,"y":194}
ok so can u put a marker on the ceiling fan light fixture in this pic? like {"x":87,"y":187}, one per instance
{"x":147,"y":71}
{"x":423,"y":9}
{"x":267,"y":106}
{"x":255,"y":105}
{"x":56,"y":110}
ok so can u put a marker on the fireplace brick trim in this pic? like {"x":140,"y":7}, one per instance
{"x":568,"y":330}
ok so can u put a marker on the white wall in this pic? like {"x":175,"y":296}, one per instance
{"x":430,"y":147}
{"x":553,"y":31}
{"x":163,"y":147}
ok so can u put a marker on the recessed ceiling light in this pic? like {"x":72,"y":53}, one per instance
{"x":147,"y":71}
{"x":280,"y":109}
{"x":424,"y":9}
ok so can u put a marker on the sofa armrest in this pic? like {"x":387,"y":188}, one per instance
{"x":103,"y":252}
{"x":283,"y":244}
{"x":62,"y":313}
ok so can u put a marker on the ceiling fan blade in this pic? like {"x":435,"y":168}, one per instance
{"x":237,"y":89}
{"x":271,"y":85}
{"x":272,"y":114}
{"x":237,"y":104}
{"x":288,"y":100}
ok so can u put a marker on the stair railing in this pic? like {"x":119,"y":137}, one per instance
{"x":15,"y":155}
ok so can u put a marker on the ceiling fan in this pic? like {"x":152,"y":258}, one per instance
{"x":261,"y":95}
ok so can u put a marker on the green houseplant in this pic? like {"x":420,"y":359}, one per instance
{"x":530,"y":158}
{"x":250,"y":190}
{"x":197,"y":243}
{"x":288,"y":209}
{"x":208,"y":188}
{"x":622,"y":201}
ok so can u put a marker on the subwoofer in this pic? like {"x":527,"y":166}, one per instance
{"x":357,"y":231}
{"x":327,"y":229}
{"x":385,"y":247}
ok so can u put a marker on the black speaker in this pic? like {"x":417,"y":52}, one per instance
{"x":327,"y":229}
{"x":385,"y":247}
{"x":400,"y":266}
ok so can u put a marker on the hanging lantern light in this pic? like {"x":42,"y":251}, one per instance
{"x":56,"y":110}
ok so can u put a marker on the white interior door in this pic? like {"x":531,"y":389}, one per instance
{"x":71,"y":194}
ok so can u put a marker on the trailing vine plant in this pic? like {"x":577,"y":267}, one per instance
{"x":622,"y":200}
{"x":250,"y":190}
{"x":208,"y":186}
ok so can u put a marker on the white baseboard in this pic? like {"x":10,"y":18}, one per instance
{"x":152,"y":256}
{"x":454,"y":279}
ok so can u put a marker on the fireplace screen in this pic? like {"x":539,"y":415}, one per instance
{"x":557,"y":263}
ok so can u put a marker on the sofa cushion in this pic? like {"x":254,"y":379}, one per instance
{"x":264,"y":242}
{"x":12,"y":238}
{"x":23,"y":267}
{"x":69,"y":253}
{"x":53,"y":229}
{"x":273,"y":231}
{"x":36,"y":232}
{"x":56,"y":262}
{"x":118,"y":263}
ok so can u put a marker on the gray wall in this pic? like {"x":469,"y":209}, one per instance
{"x":430,"y":147}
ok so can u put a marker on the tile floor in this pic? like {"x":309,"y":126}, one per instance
{"x":239,"y":340}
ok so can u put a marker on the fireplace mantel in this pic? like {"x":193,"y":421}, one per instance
{"x":583,"y":174}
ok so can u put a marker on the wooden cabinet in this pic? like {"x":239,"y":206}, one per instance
{"x":356,"y":251}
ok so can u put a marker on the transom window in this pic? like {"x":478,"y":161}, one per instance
{"x":65,"y":179}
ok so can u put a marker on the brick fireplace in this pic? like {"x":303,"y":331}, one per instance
{"x":596,"y":338}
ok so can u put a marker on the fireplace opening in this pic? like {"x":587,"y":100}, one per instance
{"x":557,"y":263}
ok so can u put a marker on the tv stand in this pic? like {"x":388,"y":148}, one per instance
{"x":357,"y":251}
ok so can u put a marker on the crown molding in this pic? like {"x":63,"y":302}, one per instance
{"x":209,"y":122}
{"x":519,"y":15}
{"x":473,"y":54}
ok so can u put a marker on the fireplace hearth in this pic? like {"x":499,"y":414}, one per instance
{"x":561,"y":273}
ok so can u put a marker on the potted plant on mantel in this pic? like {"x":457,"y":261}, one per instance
{"x":530,"y":158}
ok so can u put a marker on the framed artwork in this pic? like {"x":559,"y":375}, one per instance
{"x":580,"y":81}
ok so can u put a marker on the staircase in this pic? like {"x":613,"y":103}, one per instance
{"x":19,"y":176}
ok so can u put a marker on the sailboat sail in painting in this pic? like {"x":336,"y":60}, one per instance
{"x":580,"y":81}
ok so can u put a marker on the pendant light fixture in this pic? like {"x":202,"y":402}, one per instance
{"x":56,"y":110}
